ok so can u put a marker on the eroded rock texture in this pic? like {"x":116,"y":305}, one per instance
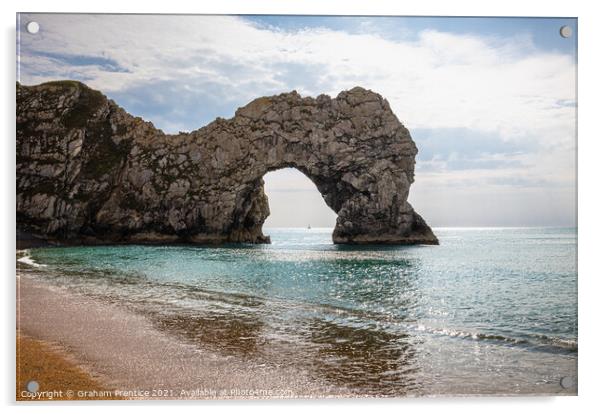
{"x":89,"y":172}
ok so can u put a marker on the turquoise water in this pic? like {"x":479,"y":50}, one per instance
{"x":487,"y":311}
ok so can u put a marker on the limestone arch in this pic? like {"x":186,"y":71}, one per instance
{"x":353,"y":148}
{"x":112,"y":177}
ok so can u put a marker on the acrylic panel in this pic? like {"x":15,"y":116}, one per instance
{"x":242,"y":207}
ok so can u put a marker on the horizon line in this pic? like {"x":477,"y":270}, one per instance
{"x":444,"y":227}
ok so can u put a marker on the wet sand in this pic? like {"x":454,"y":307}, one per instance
{"x":46,"y":373}
{"x":126,"y":354}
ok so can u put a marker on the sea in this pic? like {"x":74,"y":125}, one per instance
{"x":490,"y":311}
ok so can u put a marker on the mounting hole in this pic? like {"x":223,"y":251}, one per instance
{"x":567,"y":382}
{"x":33,"y":386}
{"x":566,"y":31}
{"x":33,"y":27}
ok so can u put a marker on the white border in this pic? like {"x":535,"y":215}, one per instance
{"x":590,"y":207}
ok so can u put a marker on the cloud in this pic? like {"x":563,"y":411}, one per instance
{"x":176,"y":106}
{"x":518,"y":181}
{"x":102,"y":63}
{"x":444,"y":149}
{"x":438,"y":80}
{"x":478,"y":106}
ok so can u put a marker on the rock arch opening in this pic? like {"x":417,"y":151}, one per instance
{"x":295,"y":201}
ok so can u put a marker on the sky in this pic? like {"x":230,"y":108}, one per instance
{"x":490,"y":102}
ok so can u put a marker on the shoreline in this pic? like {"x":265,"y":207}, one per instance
{"x":218,"y":348}
{"x":126,"y":355}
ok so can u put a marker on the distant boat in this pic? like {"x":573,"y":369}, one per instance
{"x":308,"y":227}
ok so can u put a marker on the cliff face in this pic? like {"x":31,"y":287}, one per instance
{"x":88,"y":172}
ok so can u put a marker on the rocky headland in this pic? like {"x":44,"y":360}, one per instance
{"x":88,"y":172}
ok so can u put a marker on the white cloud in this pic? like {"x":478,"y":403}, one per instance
{"x":503,"y":87}
{"x":440,"y":80}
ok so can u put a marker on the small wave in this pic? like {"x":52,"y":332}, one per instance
{"x":26,"y":258}
{"x":535,"y":341}
{"x":569,"y":344}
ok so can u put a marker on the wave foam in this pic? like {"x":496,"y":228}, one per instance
{"x":26,"y":258}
